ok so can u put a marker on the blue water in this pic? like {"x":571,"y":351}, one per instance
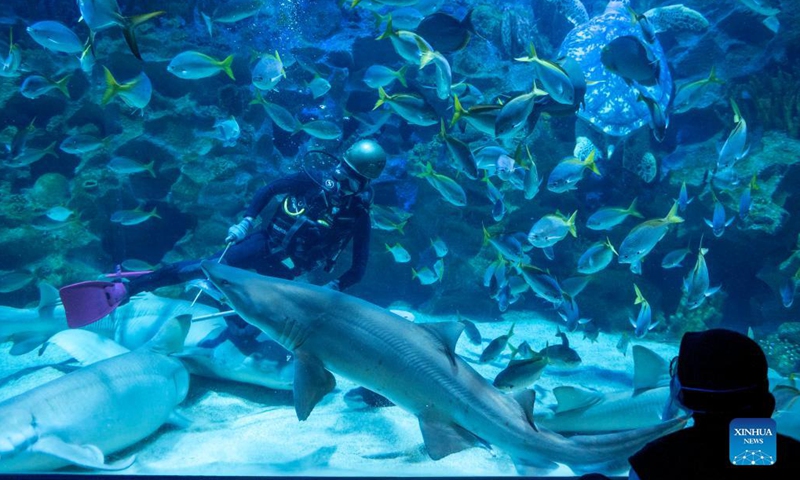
{"x":203,"y":177}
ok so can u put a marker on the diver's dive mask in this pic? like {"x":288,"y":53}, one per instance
{"x":349,"y":180}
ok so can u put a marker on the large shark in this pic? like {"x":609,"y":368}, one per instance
{"x":100,"y":409}
{"x":414,"y":366}
{"x":581,"y":410}
{"x":30,"y":327}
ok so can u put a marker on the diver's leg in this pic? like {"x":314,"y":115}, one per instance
{"x":238,"y":255}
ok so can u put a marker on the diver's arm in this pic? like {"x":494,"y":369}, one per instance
{"x":294,"y":183}
{"x":361,"y":236}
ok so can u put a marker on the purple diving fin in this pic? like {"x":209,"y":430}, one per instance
{"x":88,"y":302}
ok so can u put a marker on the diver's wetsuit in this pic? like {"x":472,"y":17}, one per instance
{"x":310,"y":228}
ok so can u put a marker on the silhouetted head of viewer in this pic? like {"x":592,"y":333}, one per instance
{"x":720,"y":375}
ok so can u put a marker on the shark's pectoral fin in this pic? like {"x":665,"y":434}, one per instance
{"x":311,"y":383}
{"x":447,"y":333}
{"x":574,"y":398}
{"x":444,"y":438}
{"x":87,"y":456}
{"x":526,"y":399}
{"x":23,"y":345}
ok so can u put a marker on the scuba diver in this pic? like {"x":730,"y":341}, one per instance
{"x":320,"y":213}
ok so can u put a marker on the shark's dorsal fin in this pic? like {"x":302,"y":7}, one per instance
{"x":311,"y":383}
{"x":48,"y":299}
{"x":526,"y":399}
{"x":447,"y":333}
{"x":170,"y":336}
{"x":88,"y":456}
{"x":574,"y":398}
{"x":85,"y":346}
{"x":443,"y":439}
{"x":650,"y":370}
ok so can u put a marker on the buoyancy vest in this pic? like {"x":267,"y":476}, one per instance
{"x":311,"y":229}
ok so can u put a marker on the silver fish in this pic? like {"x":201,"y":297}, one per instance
{"x":735,"y":146}
{"x":55,"y":36}
{"x":496,"y":347}
{"x":550,"y":229}
{"x":697,"y":285}
{"x":643,"y":238}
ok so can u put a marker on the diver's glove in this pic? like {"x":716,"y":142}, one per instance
{"x":333,"y":285}
{"x":237,"y":232}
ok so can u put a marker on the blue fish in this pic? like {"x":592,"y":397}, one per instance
{"x":644,"y":320}
{"x":788,"y":291}
{"x":746,"y":199}
{"x":735,"y":147}
{"x":570,"y":313}
{"x":503,"y":297}
{"x":674,"y":259}
{"x":508,"y":245}
{"x":543,"y":285}
{"x":569,"y":171}
{"x":498,"y":210}
{"x":696,"y":284}
{"x":596,"y":258}
{"x":683,"y":198}
{"x":636,"y":267}
{"x":718,"y":223}
{"x":496,"y":271}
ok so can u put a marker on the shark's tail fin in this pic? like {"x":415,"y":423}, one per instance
{"x":610,"y":452}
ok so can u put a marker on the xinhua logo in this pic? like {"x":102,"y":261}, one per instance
{"x":753,"y":441}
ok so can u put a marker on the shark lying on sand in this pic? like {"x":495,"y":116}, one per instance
{"x":263,"y":363}
{"x":414,"y":366}
{"x":589,"y":411}
{"x":100,"y":409}
{"x":30,"y":327}
{"x":205,"y":353}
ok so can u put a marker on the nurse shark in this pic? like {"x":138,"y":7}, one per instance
{"x":100,"y":409}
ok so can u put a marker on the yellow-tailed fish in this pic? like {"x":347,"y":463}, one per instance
{"x":446,"y":186}
{"x":136,"y":93}
{"x":553,"y":77}
{"x":460,"y":154}
{"x":193,"y":65}
{"x":379,"y":76}
{"x":411,"y":108}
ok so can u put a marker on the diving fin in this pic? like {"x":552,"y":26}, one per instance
{"x":87,"y":302}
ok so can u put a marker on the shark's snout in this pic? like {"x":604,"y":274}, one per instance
{"x":215,"y":274}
